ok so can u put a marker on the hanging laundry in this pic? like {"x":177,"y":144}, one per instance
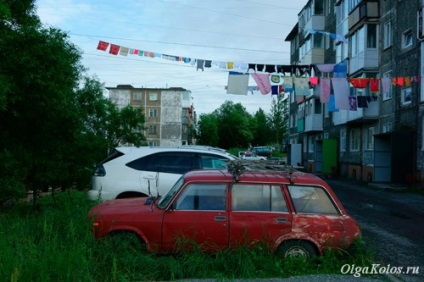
{"x":230,"y":65}
{"x":340,"y":70}
{"x":237,"y":83}
{"x":275,"y":78}
{"x":114,"y":49}
{"x":288,"y":84}
{"x":325,"y":89}
{"x":399,"y":81}
{"x":270,"y":68}
{"x":133,"y":51}
{"x":385,"y":85}
{"x":341,"y":93}
{"x":262,"y":80}
{"x":326,"y":67}
{"x":353,"y":105}
{"x":200,"y":65}
{"x":332,"y":104}
{"x":362,"y":101}
{"x":124,"y":51}
{"x":374,"y":85}
{"x":102,"y":45}
{"x":313,"y":80}
{"x":141,"y":53}
{"x":301,"y":86}
{"x":277,"y":89}
{"x":359,"y":82}
{"x":407,"y":81}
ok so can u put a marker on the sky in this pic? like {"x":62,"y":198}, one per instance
{"x":248,"y":31}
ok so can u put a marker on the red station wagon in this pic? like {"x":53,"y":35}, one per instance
{"x":295,"y":213}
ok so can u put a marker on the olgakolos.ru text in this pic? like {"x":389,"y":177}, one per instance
{"x":377,"y":268}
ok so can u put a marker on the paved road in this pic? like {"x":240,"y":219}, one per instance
{"x":392,"y":223}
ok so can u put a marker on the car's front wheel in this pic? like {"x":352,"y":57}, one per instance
{"x":127,"y":242}
{"x":297,"y":248}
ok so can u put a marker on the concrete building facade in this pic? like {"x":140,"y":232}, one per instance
{"x":169,"y":112}
{"x":383,"y":142}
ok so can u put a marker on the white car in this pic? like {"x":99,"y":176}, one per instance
{"x":252,"y":156}
{"x":143,"y":171}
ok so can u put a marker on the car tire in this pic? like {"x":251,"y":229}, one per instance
{"x":128,"y":242}
{"x":297,"y":248}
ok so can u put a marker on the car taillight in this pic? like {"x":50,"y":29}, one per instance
{"x":100,"y":170}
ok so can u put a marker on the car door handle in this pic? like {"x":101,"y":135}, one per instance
{"x":281,"y":219}
{"x":220,"y":218}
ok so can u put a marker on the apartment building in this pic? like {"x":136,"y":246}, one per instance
{"x":169,"y":112}
{"x":382,"y":140}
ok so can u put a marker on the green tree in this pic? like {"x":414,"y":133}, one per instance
{"x":277,"y":118}
{"x":234,"y":125}
{"x":207,"y":128}
{"x":262,"y":130}
{"x":49,"y":127}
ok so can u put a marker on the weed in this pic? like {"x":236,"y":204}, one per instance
{"x":56,"y":244}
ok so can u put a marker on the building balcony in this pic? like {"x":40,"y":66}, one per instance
{"x":313,"y":56}
{"x":367,"y":10}
{"x":362,"y":115}
{"x":367,"y":59}
{"x":313,"y":123}
{"x":315,"y":22}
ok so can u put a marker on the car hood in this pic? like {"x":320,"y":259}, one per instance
{"x":121,"y":207}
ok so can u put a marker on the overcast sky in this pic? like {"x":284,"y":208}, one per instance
{"x":250,"y":31}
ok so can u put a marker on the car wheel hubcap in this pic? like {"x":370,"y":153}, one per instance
{"x":296,"y":252}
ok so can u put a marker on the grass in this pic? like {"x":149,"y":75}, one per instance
{"x":55,"y":243}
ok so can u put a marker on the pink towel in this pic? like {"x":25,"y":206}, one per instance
{"x":262,"y":80}
{"x":325,"y":90}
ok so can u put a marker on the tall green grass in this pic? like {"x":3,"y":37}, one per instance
{"x":55,"y":243}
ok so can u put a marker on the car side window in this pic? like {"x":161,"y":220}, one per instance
{"x":209,"y":161}
{"x":258,"y":197}
{"x":310,"y":199}
{"x":202,"y":197}
{"x":147,"y":163}
{"x":176,"y":162}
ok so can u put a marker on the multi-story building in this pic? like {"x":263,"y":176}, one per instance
{"x":169,"y":113}
{"x":375,"y":39}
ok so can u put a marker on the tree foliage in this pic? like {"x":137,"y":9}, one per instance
{"x":51,"y":129}
{"x":231,"y":126}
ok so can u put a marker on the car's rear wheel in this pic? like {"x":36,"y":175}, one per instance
{"x":297,"y":248}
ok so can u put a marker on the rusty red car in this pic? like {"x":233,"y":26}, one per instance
{"x":294,"y":213}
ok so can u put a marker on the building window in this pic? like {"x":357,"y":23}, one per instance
{"x":153,"y":143}
{"x":355,"y":140}
{"x":343,"y":140}
{"x":329,"y":7}
{"x":311,"y":144}
{"x":153,"y":113}
{"x":370,"y":138}
{"x":388,"y":37}
{"x":406,"y":96}
{"x":153,"y":96}
{"x":387,"y":127}
{"x":407,"y":38}
{"x":318,"y":40}
{"x":152,"y":129}
{"x":137,"y":97}
{"x":371,"y":36}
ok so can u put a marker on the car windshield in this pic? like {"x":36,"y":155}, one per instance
{"x":163,"y":202}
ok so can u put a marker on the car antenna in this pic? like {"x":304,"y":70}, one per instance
{"x":291,"y":170}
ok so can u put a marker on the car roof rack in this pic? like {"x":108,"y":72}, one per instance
{"x":237,"y":167}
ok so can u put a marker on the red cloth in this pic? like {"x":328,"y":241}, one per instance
{"x":359,"y":82}
{"x":399,"y":81}
{"x":102,"y":45}
{"x":313,"y":80}
{"x":114,"y":49}
{"x":374,"y":85}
